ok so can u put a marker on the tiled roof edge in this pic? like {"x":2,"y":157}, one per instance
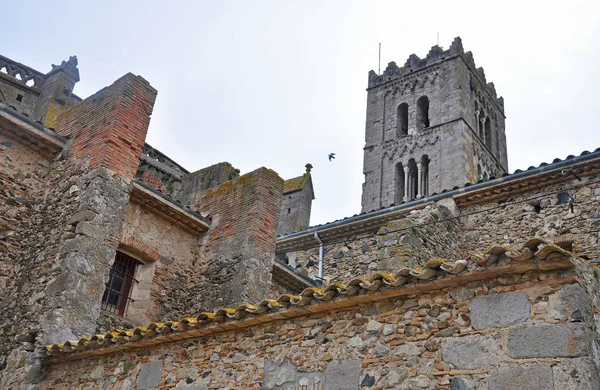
{"x":517,"y":175}
{"x":436,"y":274}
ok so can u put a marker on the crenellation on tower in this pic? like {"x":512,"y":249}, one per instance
{"x":433,"y":124}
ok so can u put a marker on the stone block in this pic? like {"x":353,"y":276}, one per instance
{"x":530,"y":377}
{"x":471,"y":352}
{"x":578,"y":373}
{"x":150,"y":374}
{"x":548,"y":341}
{"x":457,"y":383}
{"x":343,"y":375}
{"x":496,"y":311}
{"x":286,"y":375}
{"x":83,"y":215}
{"x":575,"y":303}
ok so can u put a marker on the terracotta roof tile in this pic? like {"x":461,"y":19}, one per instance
{"x":435,"y":274}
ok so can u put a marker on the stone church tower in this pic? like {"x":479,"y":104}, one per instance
{"x":433,"y":124}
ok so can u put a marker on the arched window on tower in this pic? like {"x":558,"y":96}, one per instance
{"x":488,"y":133}
{"x":399,"y":187}
{"x":413,"y":180}
{"x":480,"y":124}
{"x":402,"y":120}
{"x":422,"y":113}
{"x":424,"y":185}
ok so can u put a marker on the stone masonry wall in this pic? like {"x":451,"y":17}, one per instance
{"x":543,"y":212}
{"x":66,"y":239}
{"x":69,"y":225}
{"x":295,"y":211}
{"x":540,"y":213}
{"x":393,"y":246}
{"x":171,"y":264}
{"x":240,"y":245}
{"x":171,"y":281}
{"x":22,"y":174}
{"x":454,"y":142}
{"x":531,"y":331}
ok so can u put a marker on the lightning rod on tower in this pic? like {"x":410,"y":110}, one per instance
{"x":379,"y":61}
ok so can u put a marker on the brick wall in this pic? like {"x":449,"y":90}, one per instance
{"x":109,"y":127}
{"x":240,"y":245}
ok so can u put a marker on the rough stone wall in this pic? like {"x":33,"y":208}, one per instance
{"x":295,"y":211}
{"x":544,"y":212}
{"x":541,"y":212}
{"x":22,"y":174}
{"x":70,"y":221}
{"x":277,"y":289}
{"x":205,"y":178}
{"x":458,"y":97}
{"x":528,"y":331}
{"x":240,"y":245}
{"x":393,"y":246}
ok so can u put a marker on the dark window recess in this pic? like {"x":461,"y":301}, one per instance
{"x":120,"y":282}
{"x":289,"y":211}
{"x":19,"y":98}
{"x":562,"y":197}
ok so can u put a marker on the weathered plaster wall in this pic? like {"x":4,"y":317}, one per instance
{"x":166,"y":285}
{"x":494,"y":334}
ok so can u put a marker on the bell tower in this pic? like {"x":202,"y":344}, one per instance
{"x":433,"y":124}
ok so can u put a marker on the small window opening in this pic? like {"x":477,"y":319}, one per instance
{"x":424,"y":175}
{"x":562,"y":197}
{"x":399,"y":195}
{"x":413,"y":179}
{"x":19,"y":98}
{"x":480,"y":122}
{"x":488,"y":133}
{"x":117,"y":293}
{"x":289,"y":210}
{"x":423,"y":113}
{"x":402,"y":126}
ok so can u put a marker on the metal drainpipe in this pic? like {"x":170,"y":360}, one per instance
{"x":320,"y":256}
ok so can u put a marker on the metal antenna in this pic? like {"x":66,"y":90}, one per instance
{"x":379,"y":63}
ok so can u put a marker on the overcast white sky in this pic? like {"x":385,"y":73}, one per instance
{"x":282,"y":83}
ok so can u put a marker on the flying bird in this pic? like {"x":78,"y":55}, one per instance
{"x":331,"y":156}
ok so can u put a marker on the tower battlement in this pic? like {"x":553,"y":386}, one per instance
{"x":435,"y":56}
